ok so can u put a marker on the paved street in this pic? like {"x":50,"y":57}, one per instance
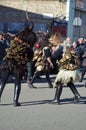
{"x":37,"y":113}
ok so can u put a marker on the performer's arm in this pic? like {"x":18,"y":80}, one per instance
{"x":49,"y":60}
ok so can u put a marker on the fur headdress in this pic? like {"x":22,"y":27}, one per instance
{"x":55,"y":39}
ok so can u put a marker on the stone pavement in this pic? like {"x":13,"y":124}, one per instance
{"x":37,"y":113}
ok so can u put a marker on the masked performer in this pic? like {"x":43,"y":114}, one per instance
{"x":15,"y":62}
{"x":43,"y":61}
{"x":67,"y":74}
{"x":43,"y":65}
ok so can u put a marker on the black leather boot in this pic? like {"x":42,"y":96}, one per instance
{"x":32,"y":86}
{"x":32,"y":81}
{"x":50,"y":86}
{"x":58,"y":94}
{"x":4,"y":78}
{"x":76,"y":99}
{"x":75,"y":92}
{"x":17,"y":90}
{"x":48,"y":79}
{"x":2,"y":85}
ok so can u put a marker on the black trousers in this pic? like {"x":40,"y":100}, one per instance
{"x":60,"y":88}
{"x":46,"y":72}
{"x":17,"y":87}
{"x":83,"y":72}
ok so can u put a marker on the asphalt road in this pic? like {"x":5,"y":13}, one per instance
{"x":37,"y":113}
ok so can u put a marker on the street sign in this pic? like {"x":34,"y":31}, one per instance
{"x":77,"y":21}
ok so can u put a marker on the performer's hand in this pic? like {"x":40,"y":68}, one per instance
{"x":51,"y":65}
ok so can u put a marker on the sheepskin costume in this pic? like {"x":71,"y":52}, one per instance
{"x":65,"y":76}
{"x":68,"y":69}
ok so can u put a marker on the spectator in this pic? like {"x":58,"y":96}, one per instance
{"x":80,"y":49}
{"x":3,"y":45}
{"x":83,"y":66}
{"x":66,"y":43}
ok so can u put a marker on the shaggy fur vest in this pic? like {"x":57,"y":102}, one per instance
{"x":68,"y":69}
{"x":41,"y":60}
{"x":17,"y":56}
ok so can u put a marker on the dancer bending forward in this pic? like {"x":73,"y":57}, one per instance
{"x":67,"y":74}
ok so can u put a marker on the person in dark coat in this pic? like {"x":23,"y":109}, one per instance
{"x":56,"y":55}
{"x":80,"y":49}
{"x":83,"y":66}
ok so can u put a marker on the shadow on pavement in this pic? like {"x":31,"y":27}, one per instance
{"x":35,"y":102}
{"x":40,"y":102}
{"x":63,"y":101}
{"x":28,"y":103}
{"x":70,"y":101}
{"x":6,"y":104}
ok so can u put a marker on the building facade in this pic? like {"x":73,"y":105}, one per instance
{"x":77,"y":19}
{"x":42,"y":12}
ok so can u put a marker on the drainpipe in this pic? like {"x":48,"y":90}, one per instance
{"x":70,"y":13}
